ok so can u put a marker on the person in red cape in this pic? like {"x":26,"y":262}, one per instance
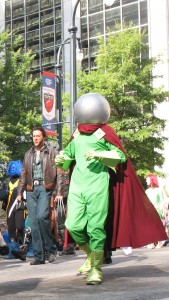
{"x":134,"y":221}
{"x":107,"y":205}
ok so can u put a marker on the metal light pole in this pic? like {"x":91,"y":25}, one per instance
{"x":73,"y":84}
{"x":59,"y":85}
{"x":73,"y":88}
{"x":59,"y":90}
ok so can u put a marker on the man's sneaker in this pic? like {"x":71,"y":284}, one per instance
{"x":4,"y":250}
{"x":37,"y":262}
{"x":19,"y":254}
{"x":52,"y":257}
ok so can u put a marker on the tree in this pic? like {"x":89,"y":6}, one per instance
{"x":124,"y":75}
{"x":19,"y":103}
{"x":66,"y":118}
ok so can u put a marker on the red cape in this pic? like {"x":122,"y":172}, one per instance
{"x":132,"y":219}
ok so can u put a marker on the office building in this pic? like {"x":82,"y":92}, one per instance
{"x":39,"y":24}
{"x":44,"y":25}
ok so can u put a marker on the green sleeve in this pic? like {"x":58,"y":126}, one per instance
{"x":70,"y":150}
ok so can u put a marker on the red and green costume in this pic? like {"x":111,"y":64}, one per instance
{"x":131,"y":218}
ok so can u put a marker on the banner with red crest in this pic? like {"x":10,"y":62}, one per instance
{"x":49,"y":102}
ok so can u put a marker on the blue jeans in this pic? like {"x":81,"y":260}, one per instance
{"x":38,"y":203}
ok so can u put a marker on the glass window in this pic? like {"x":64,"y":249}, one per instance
{"x":32,"y":8}
{"x":58,"y":2}
{"x":130,"y":14}
{"x":96,"y":24}
{"x":93,"y":49}
{"x":83,"y":7}
{"x":145,"y":29}
{"x":8,"y":26}
{"x":112,"y":18}
{"x":7,"y":10}
{"x":84,"y":35}
{"x":128,"y":1}
{"x":84,"y":27}
{"x":58,"y":28}
{"x":115,"y":4}
{"x":95,"y":6}
{"x":46,"y":4}
{"x":47,"y":17}
{"x":18,"y":12}
{"x":32,"y":23}
{"x":18,"y":25}
{"x":33,"y":35}
{"x":84,"y":22}
{"x":85,"y":65}
{"x":143,"y":12}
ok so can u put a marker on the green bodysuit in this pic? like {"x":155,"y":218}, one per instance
{"x":88,"y":191}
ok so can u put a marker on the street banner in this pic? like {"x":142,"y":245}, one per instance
{"x":49,"y":103}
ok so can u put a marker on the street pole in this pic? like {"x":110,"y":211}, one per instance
{"x":73,"y":88}
{"x":73,"y":82}
{"x":59,"y":90}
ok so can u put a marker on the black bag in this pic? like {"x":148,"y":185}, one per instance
{"x":4,"y":198}
{"x":4,"y":204}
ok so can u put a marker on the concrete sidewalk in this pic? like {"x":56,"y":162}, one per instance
{"x":143,"y":275}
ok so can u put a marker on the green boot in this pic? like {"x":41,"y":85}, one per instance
{"x":95,"y":275}
{"x":86,"y":267}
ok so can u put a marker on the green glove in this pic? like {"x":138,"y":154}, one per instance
{"x":63,"y":161}
{"x":91,"y":154}
{"x":59,"y":160}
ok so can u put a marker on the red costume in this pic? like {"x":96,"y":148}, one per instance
{"x":132,"y":219}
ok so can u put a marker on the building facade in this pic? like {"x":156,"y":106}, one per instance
{"x":44,"y":24}
{"x":39,"y":24}
{"x":98,"y":17}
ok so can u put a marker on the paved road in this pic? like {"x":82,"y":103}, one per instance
{"x":143,"y":275}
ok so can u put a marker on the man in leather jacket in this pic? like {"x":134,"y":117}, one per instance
{"x":40,"y":179}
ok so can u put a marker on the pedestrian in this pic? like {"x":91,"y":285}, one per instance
{"x":103,"y":170}
{"x":156,"y":196}
{"x":40,"y":179}
{"x":166,"y":204}
{"x":4,"y":249}
{"x":14,"y":213}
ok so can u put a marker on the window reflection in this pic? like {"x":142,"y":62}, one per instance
{"x":98,"y":19}
{"x":143,"y":12}
{"x":95,"y":6}
{"x":128,"y":1}
{"x":130,"y":14}
{"x":84,"y":28}
{"x":115,"y":4}
{"x":93,"y":48}
{"x":96,"y":24}
{"x":83,"y":7}
{"x":145,"y":30}
{"x":112,"y":18}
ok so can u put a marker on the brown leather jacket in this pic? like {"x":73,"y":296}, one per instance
{"x":53,"y":177}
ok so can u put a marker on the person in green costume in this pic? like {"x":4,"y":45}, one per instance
{"x":89,"y":185}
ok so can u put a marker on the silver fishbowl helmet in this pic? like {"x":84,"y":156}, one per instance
{"x":91,"y":108}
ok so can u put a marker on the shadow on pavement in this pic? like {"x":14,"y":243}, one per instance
{"x":13,"y":287}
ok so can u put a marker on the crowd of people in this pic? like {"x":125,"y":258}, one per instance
{"x":103,"y":194}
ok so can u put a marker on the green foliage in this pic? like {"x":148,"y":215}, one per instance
{"x":126,"y":81}
{"x":19,"y":101}
{"x":65,"y":117}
